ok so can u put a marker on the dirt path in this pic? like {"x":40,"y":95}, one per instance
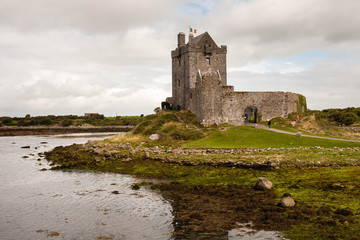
{"x":303,"y":135}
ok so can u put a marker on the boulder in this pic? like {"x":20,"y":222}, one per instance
{"x":287,"y":202}
{"x":263,"y":184}
{"x":298,"y":134}
{"x":154,"y":137}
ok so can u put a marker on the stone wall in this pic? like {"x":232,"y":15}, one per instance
{"x":267,"y":104}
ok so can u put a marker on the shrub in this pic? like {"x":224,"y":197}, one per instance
{"x":66,"y":122}
{"x":157,"y":110}
{"x":46,"y":121}
{"x":165,"y":106}
{"x":349,"y":118}
{"x":7,"y":121}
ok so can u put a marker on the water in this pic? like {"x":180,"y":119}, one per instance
{"x":77,"y":205}
{"x":37,"y":204}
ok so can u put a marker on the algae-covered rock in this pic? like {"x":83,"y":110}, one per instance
{"x":263,"y":184}
{"x":287,"y":202}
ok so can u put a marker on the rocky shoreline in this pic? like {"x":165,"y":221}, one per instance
{"x":209,"y":156}
{"x":42,"y":130}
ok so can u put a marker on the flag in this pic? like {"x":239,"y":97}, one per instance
{"x":192,"y":30}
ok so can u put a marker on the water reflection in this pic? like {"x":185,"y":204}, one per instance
{"x":40,"y":204}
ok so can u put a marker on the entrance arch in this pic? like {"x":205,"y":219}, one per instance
{"x":251,"y":115}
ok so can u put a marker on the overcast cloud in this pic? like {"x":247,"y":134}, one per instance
{"x":113,"y":56}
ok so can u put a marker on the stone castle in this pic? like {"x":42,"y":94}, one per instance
{"x":199,"y":84}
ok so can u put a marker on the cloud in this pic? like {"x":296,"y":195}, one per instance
{"x":91,"y":16}
{"x":112,"y":56}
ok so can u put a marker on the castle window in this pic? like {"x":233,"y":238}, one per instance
{"x":190,"y":95}
{"x":179,"y":62}
{"x":179,"y":82}
{"x":208,"y":60}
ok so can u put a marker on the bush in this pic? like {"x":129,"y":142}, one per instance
{"x":23,"y":123}
{"x":46,"y":121}
{"x":165,"y":106}
{"x":7,"y":121}
{"x":349,"y":118}
{"x":66,"y":122}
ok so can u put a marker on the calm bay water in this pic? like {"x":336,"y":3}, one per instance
{"x":36,"y":204}
{"x":39,"y":204}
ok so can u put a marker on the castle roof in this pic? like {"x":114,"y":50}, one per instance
{"x":203,"y":38}
{"x":196,"y":39}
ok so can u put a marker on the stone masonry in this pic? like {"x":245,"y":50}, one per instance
{"x":199,"y":84}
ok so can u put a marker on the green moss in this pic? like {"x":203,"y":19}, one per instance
{"x":301,"y":104}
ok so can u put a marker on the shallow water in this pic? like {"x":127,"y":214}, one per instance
{"x":77,"y":205}
{"x":39,"y":204}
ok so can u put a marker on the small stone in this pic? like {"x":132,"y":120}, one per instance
{"x":98,"y":151}
{"x":298,"y":134}
{"x":263,"y":184}
{"x":154,"y":137}
{"x":114,"y":152}
{"x":135,"y":186}
{"x":287,"y":202}
{"x":147,"y":155}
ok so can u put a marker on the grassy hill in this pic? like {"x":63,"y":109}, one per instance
{"x":182,"y":129}
{"x":249,"y":137}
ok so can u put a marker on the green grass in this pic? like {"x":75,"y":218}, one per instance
{"x":248,"y":137}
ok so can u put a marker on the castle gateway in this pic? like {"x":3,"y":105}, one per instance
{"x":199,"y":84}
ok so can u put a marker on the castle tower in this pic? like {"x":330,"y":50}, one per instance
{"x":199,"y":84}
{"x":189,"y":60}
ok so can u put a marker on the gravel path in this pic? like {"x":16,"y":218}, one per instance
{"x":303,"y":135}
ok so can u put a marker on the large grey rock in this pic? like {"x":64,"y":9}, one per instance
{"x":298,"y":134}
{"x":263,"y":184}
{"x":154,"y":137}
{"x":287,"y":202}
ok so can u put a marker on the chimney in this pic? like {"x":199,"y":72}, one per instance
{"x":191,"y":36}
{"x":181,"y":39}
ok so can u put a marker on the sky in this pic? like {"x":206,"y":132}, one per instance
{"x":60,"y":57}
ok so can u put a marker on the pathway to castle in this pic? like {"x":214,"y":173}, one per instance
{"x":302,"y":135}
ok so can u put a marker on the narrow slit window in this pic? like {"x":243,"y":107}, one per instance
{"x":208,"y":61}
{"x":179,"y":62}
{"x":179,"y":82}
{"x":190,"y":95}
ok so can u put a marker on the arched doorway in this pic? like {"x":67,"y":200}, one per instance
{"x":250,"y":115}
